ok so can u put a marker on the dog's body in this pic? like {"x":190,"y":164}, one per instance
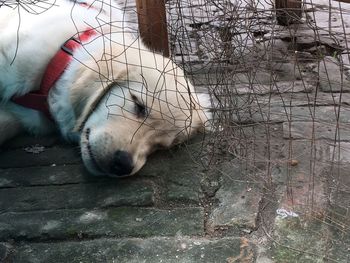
{"x":116,"y":98}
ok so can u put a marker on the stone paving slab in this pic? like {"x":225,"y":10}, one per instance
{"x":259,"y":89}
{"x":300,"y":241}
{"x":22,"y":141}
{"x":71,"y":196}
{"x":51,"y":156}
{"x":112,"y":222}
{"x":333,"y":77}
{"x":271,"y":113}
{"x":301,"y":99}
{"x":339,"y":201}
{"x":316,"y":131}
{"x":302,"y":230}
{"x":157,"y":249}
{"x":44,"y":175}
{"x":299,"y":177}
{"x":339,"y":153}
{"x":238,"y":201}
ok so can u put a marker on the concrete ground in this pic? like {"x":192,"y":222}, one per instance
{"x":279,"y":193}
{"x":178,"y":209}
{"x":272,"y":185}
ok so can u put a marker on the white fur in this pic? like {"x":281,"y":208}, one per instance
{"x":111,"y":59}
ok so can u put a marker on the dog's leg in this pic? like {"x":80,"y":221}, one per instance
{"x":15,"y":119}
{"x":32,"y":121}
{"x":10,"y":126}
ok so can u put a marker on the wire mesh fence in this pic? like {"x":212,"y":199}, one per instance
{"x":278,"y":76}
{"x":279,"y":81}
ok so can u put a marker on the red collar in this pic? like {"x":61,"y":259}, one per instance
{"x":37,"y":100}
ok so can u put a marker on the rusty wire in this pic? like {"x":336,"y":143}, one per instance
{"x":279,"y":81}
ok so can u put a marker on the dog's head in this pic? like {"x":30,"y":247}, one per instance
{"x":136,"y":115}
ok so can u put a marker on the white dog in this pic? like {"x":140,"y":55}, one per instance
{"x":116,"y":98}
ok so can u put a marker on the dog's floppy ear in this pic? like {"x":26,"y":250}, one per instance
{"x":96,"y":93}
{"x":91,"y":105}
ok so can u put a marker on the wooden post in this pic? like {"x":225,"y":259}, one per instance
{"x":288,"y":11}
{"x":152,"y":24}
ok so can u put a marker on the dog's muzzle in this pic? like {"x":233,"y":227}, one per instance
{"x":120,"y":165}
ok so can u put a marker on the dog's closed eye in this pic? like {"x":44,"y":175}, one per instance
{"x":140,"y":109}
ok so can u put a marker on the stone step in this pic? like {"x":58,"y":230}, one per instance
{"x":39,"y":156}
{"x":237,"y":200}
{"x":134,"y":250}
{"x":23,"y":141}
{"x":119,"y":193}
{"x":112,"y":222}
{"x":272,"y":113}
{"x":47,"y":175}
{"x":301,"y":229}
{"x":316,"y":130}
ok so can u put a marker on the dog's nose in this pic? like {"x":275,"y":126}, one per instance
{"x":122,"y":163}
